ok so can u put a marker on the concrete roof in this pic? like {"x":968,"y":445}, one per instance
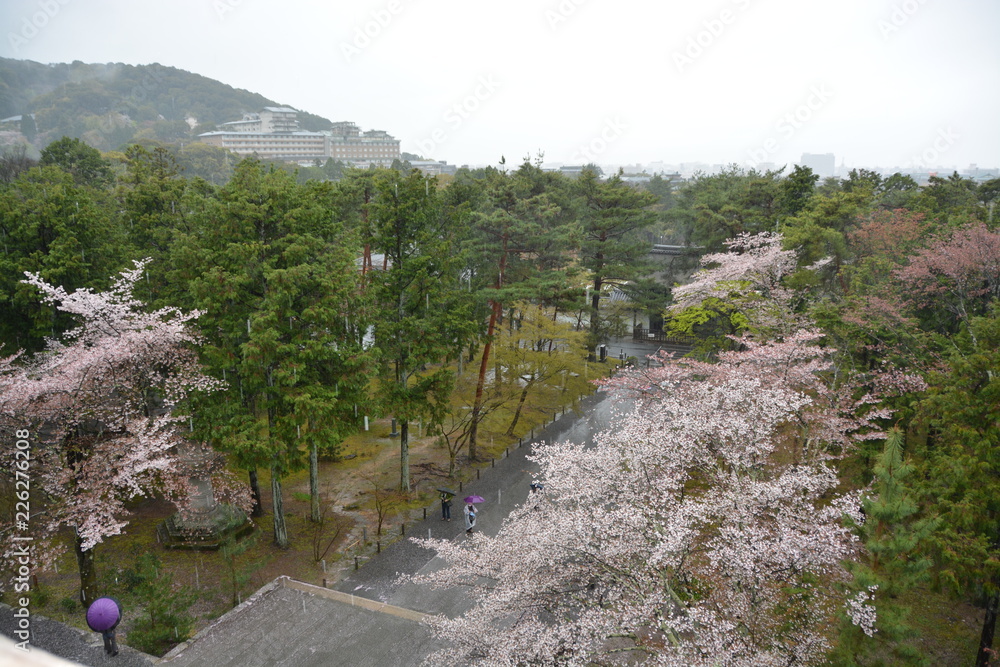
{"x":289,"y":623}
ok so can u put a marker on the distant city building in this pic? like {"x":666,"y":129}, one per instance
{"x":433,"y":168}
{"x":822,"y":164}
{"x":571,"y":170}
{"x":274,"y":134}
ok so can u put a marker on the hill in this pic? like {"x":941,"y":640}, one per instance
{"x":108,"y":105}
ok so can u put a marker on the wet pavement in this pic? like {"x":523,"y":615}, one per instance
{"x":503,"y":486}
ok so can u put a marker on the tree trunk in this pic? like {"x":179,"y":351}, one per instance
{"x":404,"y":455}
{"x":495,"y":313}
{"x":477,"y":405}
{"x":989,"y":625}
{"x":314,"y":481}
{"x":595,"y":319}
{"x":258,"y":505}
{"x":520,"y":404}
{"x":88,"y":575}
{"x":277,"y":504}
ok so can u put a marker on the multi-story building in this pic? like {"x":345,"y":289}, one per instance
{"x":269,"y":120}
{"x":274,"y":133}
{"x":290,"y":146}
{"x":349,"y":144}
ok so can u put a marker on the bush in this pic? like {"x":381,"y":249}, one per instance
{"x":165,"y":621}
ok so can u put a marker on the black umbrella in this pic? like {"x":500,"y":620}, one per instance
{"x":448,"y":491}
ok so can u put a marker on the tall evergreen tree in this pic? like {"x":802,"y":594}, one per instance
{"x":961,"y":472}
{"x":893,"y":563}
{"x":425,"y":315}
{"x":64,"y":232}
{"x":521,"y":249}
{"x":277,"y":281}
{"x":612,"y":249}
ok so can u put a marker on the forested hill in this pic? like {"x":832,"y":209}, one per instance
{"x":108,"y":105}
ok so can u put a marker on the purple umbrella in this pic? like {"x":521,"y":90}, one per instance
{"x":474,"y":499}
{"x":103,"y":614}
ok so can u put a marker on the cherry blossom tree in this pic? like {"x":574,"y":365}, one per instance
{"x":99,"y":405}
{"x":740,"y":290}
{"x":959,"y":271}
{"x":703,"y":528}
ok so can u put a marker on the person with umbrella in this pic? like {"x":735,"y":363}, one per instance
{"x":470,"y":512}
{"x":104,"y":615}
{"x":446,"y":496}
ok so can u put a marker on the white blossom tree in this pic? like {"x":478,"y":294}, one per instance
{"x":99,"y":409}
{"x":742,"y":289}
{"x":703,"y":528}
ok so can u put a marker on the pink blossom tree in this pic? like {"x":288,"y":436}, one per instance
{"x":703,"y":528}
{"x":99,"y":405}
{"x":743,"y":288}
{"x":959,"y":271}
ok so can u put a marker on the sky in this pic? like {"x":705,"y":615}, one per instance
{"x":878,"y":83}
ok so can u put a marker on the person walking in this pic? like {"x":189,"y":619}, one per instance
{"x":103,"y":615}
{"x":470,"y":518}
{"x":445,"y":506}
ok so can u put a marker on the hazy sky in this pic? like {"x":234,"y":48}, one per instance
{"x":876,"y":82}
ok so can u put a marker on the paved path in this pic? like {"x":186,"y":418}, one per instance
{"x":503,"y":486}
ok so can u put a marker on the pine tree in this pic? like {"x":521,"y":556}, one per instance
{"x":893,"y":563}
{"x":425,"y":315}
